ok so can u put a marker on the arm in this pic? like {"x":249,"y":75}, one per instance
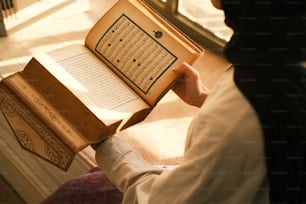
{"x":189,"y":86}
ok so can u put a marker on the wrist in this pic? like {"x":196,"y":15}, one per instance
{"x":96,"y":145}
{"x":201,"y":100}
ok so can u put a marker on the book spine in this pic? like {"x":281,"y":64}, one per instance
{"x":31,"y":133}
{"x":46,"y":112}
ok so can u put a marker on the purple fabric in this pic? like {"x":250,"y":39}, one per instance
{"x":90,"y":188}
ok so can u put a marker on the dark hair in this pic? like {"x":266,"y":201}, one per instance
{"x":273,"y":27}
{"x":267,"y":47}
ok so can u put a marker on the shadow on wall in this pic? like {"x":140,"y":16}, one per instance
{"x":2,"y":27}
{"x":8,"y":8}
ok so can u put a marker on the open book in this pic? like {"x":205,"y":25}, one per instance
{"x":69,"y":98}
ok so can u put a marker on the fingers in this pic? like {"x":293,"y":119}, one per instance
{"x":186,"y":70}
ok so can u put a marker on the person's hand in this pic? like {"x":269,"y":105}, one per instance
{"x":216,"y":4}
{"x":189,"y":86}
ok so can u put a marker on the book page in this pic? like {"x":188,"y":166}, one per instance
{"x":101,"y":86}
{"x":93,"y":82}
{"x":134,"y":53}
{"x":140,"y":48}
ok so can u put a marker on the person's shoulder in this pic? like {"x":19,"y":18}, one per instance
{"x":229,"y":107}
{"x":227,"y":116}
{"x":225,"y":91}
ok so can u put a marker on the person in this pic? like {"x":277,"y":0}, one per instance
{"x":247,"y":142}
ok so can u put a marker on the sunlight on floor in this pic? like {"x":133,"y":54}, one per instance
{"x":41,"y":27}
{"x":44,"y":25}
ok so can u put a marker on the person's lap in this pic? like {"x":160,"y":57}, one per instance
{"x":92,"y":187}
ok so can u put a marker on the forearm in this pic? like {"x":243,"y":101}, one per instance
{"x":123,"y":165}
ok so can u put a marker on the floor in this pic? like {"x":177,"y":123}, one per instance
{"x":7,"y":193}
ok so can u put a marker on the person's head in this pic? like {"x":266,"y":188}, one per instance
{"x":277,"y":25}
